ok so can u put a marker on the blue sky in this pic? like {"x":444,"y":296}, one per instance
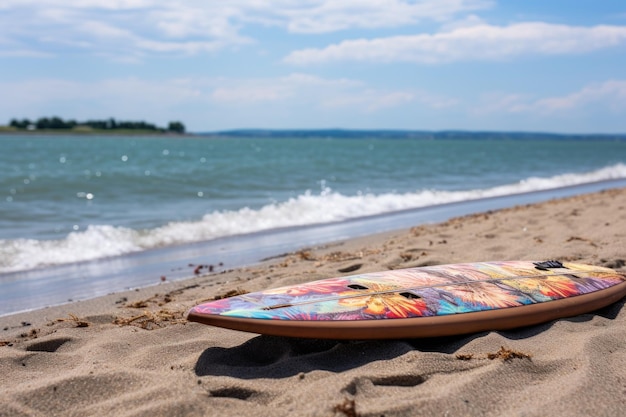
{"x":556,"y":66}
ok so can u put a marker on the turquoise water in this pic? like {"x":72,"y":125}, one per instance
{"x":65,"y":199}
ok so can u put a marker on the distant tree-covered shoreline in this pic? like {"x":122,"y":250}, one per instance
{"x":56,"y":123}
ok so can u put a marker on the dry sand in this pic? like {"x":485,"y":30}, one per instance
{"x":133,"y":354}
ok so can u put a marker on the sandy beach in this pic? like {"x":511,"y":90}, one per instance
{"x":134,"y":354}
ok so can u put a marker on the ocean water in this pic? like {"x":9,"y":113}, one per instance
{"x":68,"y":199}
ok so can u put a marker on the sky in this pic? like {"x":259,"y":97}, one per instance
{"x":534,"y":65}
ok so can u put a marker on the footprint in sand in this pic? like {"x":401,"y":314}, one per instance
{"x":49,"y":346}
{"x":369,"y":385}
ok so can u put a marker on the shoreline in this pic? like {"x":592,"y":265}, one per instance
{"x":133,"y":353}
{"x":342,"y":134}
{"x":64,"y":283}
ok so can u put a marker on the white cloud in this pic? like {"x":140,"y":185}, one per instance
{"x":610,"y":94}
{"x":469,"y":43}
{"x":304,"y":87}
{"x":502,"y":103}
{"x":607,"y":96}
{"x":196,"y":26}
{"x":321,"y":93}
{"x":103,"y":30}
{"x":332,"y":15}
{"x":368,"y":101}
{"x":372,"y":100}
{"x":120,"y":27}
{"x":77,"y":4}
{"x":251,"y":94}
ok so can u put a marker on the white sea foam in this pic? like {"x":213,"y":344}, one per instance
{"x":328,"y":206}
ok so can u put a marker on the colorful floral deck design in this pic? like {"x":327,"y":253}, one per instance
{"x":413,"y":293}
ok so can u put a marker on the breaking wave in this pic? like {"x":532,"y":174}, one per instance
{"x":99,"y":241}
